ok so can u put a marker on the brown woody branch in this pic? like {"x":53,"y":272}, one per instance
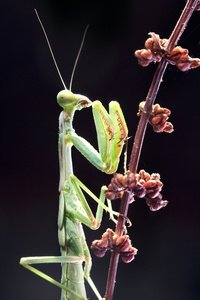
{"x":139,"y":137}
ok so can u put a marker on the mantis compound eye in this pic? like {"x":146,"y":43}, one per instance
{"x":65,"y":98}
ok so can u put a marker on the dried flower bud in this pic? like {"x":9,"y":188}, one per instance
{"x":129,"y":180}
{"x":119,"y":184}
{"x":145,"y":57}
{"x":113,"y":242}
{"x":156,"y":50}
{"x":155,"y":176}
{"x":182,"y":60}
{"x":153,"y":188}
{"x":158,"y":118}
{"x":141,"y":185}
{"x":158,"y":44}
{"x":123,"y":246}
{"x":140,"y":190}
{"x":156,"y":203}
{"x":101,"y":246}
{"x":169,"y":127}
{"x":143,"y":175}
{"x":158,"y":122}
{"x":113,"y":195}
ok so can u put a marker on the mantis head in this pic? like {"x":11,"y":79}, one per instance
{"x":69,"y":101}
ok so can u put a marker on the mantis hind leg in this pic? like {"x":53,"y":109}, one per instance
{"x":28,"y":261}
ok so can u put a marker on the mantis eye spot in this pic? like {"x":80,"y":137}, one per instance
{"x":66,"y":98}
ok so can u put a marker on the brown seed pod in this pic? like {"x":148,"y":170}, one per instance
{"x":156,"y":50}
{"x":113,"y":242}
{"x":141,"y":185}
{"x":153,"y":188}
{"x":158,"y":118}
{"x":119,"y":184}
{"x":156,"y":203}
{"x":182,"y":60}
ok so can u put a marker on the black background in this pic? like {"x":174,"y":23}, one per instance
{"x":167,"y":265}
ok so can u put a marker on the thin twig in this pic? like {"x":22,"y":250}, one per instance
{"x":139,"y":137}
{"x":151,"y":96}
{"x":112,"y":272}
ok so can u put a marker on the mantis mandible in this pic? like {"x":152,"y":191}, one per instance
{"x":73,"y":208}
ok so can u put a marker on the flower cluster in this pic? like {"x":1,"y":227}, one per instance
{"x":119,"y":184}
{"x":182,"y":60}
{"x":158,"y":118}
{"x":111,"y":241}
{"x":152,"y":187}
{"x":141,"y":185}
{"x":155,"y":50}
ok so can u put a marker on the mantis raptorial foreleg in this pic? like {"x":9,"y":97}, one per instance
{"x":73,"y":207}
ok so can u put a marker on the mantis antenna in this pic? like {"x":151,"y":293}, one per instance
{"x":51,"y":51}
{"x":54,"y":60}
{"x":77,"y":58}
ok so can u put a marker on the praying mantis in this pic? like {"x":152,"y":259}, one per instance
{"x":74,"y":210}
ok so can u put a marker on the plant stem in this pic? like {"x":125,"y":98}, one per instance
{"x":112,"y":272}
{"x":181,"y":24}
{"x":151,"y":96}
{"x":139,"y":136}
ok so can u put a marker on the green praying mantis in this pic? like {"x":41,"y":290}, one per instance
{"x":73,"y":208}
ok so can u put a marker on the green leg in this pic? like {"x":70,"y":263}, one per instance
{"x":26,"y":261}
{"x":95,"y":222}
{"x":111,"y":211}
